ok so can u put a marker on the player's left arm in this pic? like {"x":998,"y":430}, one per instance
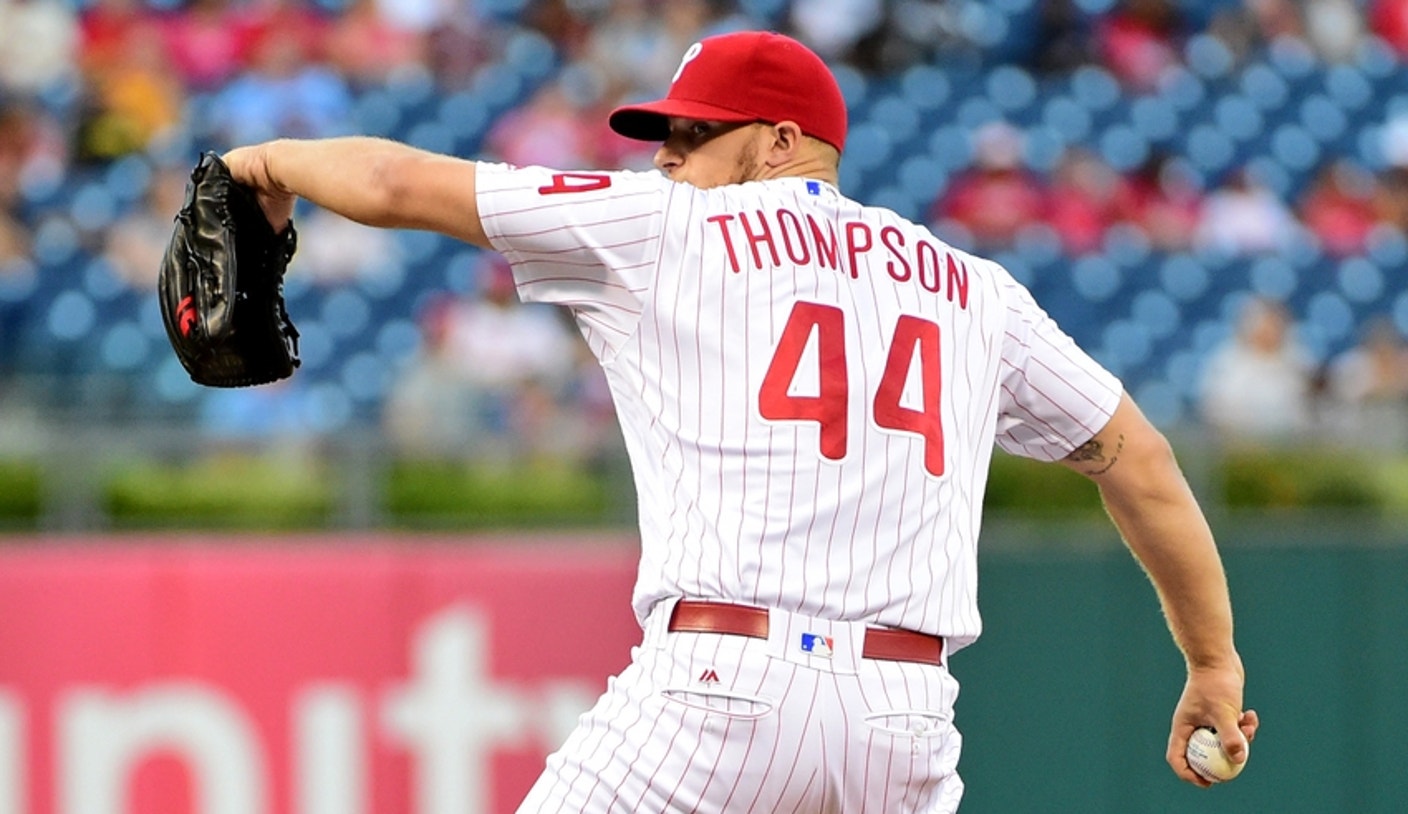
{"x":1149,"y":500}
{"x":369,"y":180}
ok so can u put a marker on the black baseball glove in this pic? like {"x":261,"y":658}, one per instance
{"x":221,"y":284}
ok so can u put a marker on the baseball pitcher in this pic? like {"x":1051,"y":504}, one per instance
{"x":810,"y":390}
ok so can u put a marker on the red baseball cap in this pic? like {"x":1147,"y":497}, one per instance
{"x":746,"y":76}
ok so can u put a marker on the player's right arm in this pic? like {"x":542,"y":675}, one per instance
{"x":369,"y":180}
{"x":1151,"y":503}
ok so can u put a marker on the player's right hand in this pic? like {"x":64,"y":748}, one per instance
{"x":1212,"y":697}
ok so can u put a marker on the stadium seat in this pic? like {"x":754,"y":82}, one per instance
{"x":124,"y":347}
{"x":1154,"y":118}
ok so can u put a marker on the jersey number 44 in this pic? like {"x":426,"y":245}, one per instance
{"x":829,"y":407}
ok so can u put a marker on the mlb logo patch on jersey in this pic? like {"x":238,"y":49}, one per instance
{"x":817,"y":645}
{"x":813,"y":187}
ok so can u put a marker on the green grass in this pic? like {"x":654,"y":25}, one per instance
{"x":21,"y":492}
{"x":1020,"y":486}
{"x":220,"y":492}
{"x":515,"y":496}
{"x":1304,"y":477}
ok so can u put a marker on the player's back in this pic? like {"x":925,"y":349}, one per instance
{"x":809,"y":389}
{"x":816,"y":383}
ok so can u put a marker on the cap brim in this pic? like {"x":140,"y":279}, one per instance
{"x":651,"y":121}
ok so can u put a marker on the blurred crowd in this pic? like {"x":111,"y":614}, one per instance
{"x":109,"y":86}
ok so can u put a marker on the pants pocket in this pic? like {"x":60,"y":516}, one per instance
{"x":720,"y":702}
{"x":914,"y":723}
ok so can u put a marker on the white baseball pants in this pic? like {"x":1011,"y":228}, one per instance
{"x":708,"y":722}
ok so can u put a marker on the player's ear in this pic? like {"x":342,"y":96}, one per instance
{"x":786,"y":143}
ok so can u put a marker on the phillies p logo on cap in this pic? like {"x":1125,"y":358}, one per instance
{"x":691,"y":53}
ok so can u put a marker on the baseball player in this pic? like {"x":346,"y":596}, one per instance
{"x":810,"y":390}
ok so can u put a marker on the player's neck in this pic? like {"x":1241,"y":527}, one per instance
{"x":813,"y":168}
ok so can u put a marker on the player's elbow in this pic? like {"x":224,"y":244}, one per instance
{"x":388,"y":190}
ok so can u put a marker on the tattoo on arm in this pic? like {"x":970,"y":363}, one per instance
{"x":1093,"y":452}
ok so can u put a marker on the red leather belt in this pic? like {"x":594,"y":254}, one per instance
{"x":885,"y":644}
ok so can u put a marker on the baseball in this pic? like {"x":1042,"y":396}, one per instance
{"x":1207,"y":758}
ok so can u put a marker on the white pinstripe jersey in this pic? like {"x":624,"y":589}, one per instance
{"x":809,"y":389}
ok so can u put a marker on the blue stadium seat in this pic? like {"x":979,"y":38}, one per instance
{"x":1187,"y":283}
{"x":1210,"y":334}
{"x":1129,"y":341}
{"x":1381,"y":67}
{"x":1238,"y":117}
{"x":1210,"y":150}
{"x":854,"y":85}
{"x":894,"y":115}
{"x":1323,"y":118}
{"x":1360,"y":281}
{"x":1154,"y":118}
{"x":922,"y":177}
{"x":315,"y":346}
{"x":1096,"y":278}
{"x":364,"y":377}
{"x":345,"y":312}
{"x":1265,"y":87}
{"x":1124,"y":148}
{"x":530,"y":54}
{"x":128,"y":178}
{"x":1016,"y":265}
{"x":925,"y":88}
{"x":100,"y":280}
{"x":1094,"y":88}
{"x":1183,"y":89}
{"x":1273,"y":276}
{"x":465,"y":115}
{"x":1388,"y":247}
{"x":1332,"y":316}
{"x":1294,"y":61}
{"x":125,"y":347}
{"x":414,"y":95}
{"x":1208,"y":57}
{"x":1272,"y":174}
{"x":1161,"y":402}
{"x":377,"y":113}
{"x":71,"y":316}
{"x":1012,"y":89}
{"x":976,"y":111}
{"x":430,"y":135}
{"x":1399,"y":310}
{"x":171,"y":383}
{"x":397,"y":339}
{"x":1349,"y":87}
{"x":1067,"y":117}
{"x":899,"y":200}
{"x":1157,"y":312}
{"x":1295,"y":148}
{"x":500,"y":87}
{"x":868,"y":147}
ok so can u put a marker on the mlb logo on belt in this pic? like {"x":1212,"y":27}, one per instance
{"x":817,"y":645}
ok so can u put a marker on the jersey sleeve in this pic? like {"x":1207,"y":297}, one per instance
{"x":1053,"y":397}
{"x":587,"y":241}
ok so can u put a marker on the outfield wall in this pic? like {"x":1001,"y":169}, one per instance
{"x":380,"y":675}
